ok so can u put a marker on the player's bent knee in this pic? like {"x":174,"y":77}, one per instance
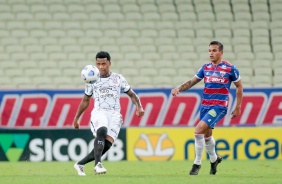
{"x":207,"y":139}
{"x":110,"y":139}
{"x":108,"y":144}
{"x":202,"y":128}
{"x":199,"y":136}
{"x":102,"y":131}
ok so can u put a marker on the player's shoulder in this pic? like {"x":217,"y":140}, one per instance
{"x":117,"y":75}
{"x":207,"y":66}
{"x":227,"y":63}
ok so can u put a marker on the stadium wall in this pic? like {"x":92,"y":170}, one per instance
{"x":36,"y":125}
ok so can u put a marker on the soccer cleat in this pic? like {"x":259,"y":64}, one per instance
{"x":214,"y":165}
{"x":100,"y":169}
{"x":195,"y":169}
{"x":79,"y":169}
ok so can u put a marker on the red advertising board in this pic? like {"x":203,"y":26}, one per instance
{"x":56,"y":108}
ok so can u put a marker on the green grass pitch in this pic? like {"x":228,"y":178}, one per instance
{"x":134,"y":172}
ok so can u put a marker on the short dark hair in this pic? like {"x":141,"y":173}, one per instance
{"x":103,"y":54}
{"x":220,"y":46}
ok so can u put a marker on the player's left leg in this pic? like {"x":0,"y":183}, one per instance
{"x":210,"y":145}
{"x":90,"y":157}
{"x":99,"y":128}
{"x":99,"y":144}
{"x":114,"y":124}
{"x":213,"y":116}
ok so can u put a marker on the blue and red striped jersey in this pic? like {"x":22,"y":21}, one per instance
{"x":217,"y":80}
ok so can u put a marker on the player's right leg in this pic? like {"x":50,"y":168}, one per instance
{"x":213,"y":169}
{"x":201,"y":128}
{"x":99,"y":128}
{"x":99,"y":144}
{"x":200,"y":131}
{"x":210,"y":145}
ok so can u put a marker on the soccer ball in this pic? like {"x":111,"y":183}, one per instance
{"x":90,"y":74}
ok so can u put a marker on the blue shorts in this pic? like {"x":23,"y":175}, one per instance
{"x":212,"y":115}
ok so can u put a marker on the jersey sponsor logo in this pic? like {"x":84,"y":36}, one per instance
{"x":210,"y":79}
{"x":154,"y":147}
{"x":212,"y":112}
{"x":107,"y":92}
{"x":105,"y":89}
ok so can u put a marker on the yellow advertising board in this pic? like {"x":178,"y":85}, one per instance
{"x":178,"y":143}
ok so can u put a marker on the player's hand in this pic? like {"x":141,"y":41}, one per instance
{"x":139,"y":112}
{"x":236,"y":112}
{"x":175,"y":92}
{"x":76,"y":124}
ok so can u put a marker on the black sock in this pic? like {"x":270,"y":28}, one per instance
{"x":90,"y":156}
{"x":99,"y":144}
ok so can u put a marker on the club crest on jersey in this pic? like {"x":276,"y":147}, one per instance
{"x":114,"y":80}
{"x":223,"y":66}
{"x":222,"y":73}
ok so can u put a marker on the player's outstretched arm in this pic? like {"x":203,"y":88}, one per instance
{"x":239,"y":94}
{"x":136,"y":101}
{"x":185,"y":86}
{"x":82,"y":106}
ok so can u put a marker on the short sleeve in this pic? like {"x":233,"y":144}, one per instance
{"x":235,"y":75}
{"x":88,"y":89}
{"x":124,"y":85}
{"x":200,"y":73}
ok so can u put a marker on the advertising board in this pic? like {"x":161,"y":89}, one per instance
{"x":55,"y":109}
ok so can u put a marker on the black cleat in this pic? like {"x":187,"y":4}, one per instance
{"x":214,"y":165}
{"x":195,"y":169}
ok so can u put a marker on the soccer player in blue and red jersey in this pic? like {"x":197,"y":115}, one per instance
{"x":217,"y":75}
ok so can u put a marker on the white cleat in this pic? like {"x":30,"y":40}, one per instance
{"x":100,"y":169}
{"x":79,"y":169}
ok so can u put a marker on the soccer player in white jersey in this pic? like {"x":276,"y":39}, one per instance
{"x":106,"y":119}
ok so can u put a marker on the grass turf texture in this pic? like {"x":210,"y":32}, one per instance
{"x":123,"y":172}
